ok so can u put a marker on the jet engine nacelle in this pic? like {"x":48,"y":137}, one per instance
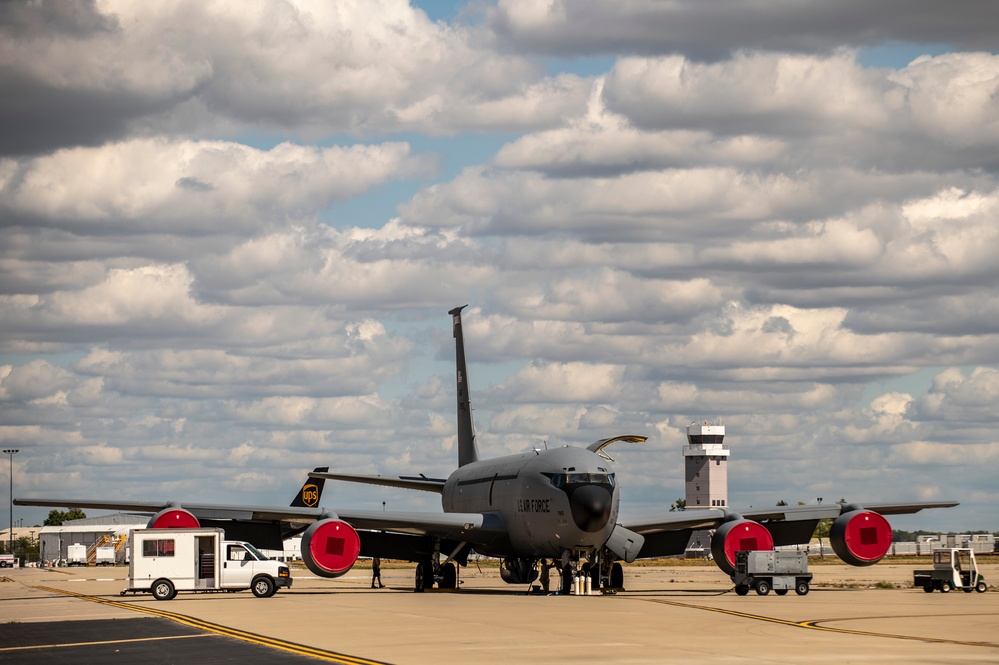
{"x":173,"y":517}
{"x":330,"y":547}
{"x":860,"y":537}
{"x":738,"y":533}
{"x":518,"y":571}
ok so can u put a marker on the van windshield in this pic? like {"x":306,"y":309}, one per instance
{"x":254,"y":552}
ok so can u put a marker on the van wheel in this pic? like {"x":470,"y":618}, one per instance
{"x":163,"y":590}
{"x":263,"y":587}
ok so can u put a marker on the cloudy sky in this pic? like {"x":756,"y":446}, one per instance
{"x":231,"y":233}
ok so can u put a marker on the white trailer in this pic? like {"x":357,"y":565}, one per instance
{"x":105,"y":556}
{"x":76,"y":555}
{"x":165,"y":561}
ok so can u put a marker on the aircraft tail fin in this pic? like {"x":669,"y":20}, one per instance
{"x":467,"y":450}
{"x":312,"y":490}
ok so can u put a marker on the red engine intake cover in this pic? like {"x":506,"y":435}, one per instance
{"x":737,"y":535}
{"x":860,"y":537}
{"x":330,"y":547}
{"x":173,"y":518}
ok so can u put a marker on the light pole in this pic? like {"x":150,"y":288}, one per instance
{"x":10,"y":452}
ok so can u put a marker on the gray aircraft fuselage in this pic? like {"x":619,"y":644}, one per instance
{"x":550,"y":500}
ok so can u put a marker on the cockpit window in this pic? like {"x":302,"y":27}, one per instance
{"x":560,"y":480}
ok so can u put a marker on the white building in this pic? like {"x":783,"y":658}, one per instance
{"x":94,"y":532}
{"x":112,"y":531}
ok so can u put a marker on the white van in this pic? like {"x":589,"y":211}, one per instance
{"x":165,"y":561}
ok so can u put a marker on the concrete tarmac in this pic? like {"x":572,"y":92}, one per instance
{"x":675,"y":614}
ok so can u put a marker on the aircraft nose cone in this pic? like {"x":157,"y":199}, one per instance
{"x":590,"y":505}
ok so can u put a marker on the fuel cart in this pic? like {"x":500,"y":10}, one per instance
{"x":764,"y":570}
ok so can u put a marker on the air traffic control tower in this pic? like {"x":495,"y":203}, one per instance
{"x":706,"y":466}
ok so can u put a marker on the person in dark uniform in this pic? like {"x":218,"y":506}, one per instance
{"x":376,"y":573}
{"x":546,"y":567}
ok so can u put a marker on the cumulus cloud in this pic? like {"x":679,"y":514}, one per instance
{"x":936,"y":110}
{"x":191,"y":187}
{"x":36,"y":380}
{"x":713,"y":31}
{"x":231,"y":235}
{"x":110,"y":70}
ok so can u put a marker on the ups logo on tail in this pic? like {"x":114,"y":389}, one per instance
{"x":310,"y":495}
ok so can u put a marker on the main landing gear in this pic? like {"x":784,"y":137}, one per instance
{"x":447,"y":578}
{"x":432,"y":571}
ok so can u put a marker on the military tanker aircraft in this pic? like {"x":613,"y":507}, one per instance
{"x":560,"y":504}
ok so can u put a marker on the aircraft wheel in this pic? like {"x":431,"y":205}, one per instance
{"x":780,"y":592}
{"x":418,"y":582}
{"x":801,"y":588}
{"x":762,"y":588}
{"x":424,"y":576}
{"x":928,"y":588}
{"x":449,"y":578}
{"x":981,"y":586}
{"x":163,"y":590}
{"x":263,"y":587}
{"x":617,"y":576}
{"x":741,"y":589}
{"x":945,"y":587}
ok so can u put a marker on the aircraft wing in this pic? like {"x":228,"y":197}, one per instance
{"x":669,"y":532}
{"x":818,"y":511}
{"x":405,"y":482}
{"x":208,"y":511}
{"x":709,"y":518}
{"x":674,"y":521}
{"x":471,"y":527}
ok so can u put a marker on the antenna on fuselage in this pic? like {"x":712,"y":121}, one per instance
{"x":467,"y":450}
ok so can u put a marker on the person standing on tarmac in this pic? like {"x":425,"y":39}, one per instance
{"x":546,"y":567}
{"x":376,"y":573}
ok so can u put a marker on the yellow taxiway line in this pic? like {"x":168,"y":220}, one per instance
{"x":290,"y":647}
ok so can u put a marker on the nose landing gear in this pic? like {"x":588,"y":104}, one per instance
{"x":603,"y":570}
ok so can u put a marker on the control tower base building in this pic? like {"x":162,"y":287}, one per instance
{"x":706,"y":467}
